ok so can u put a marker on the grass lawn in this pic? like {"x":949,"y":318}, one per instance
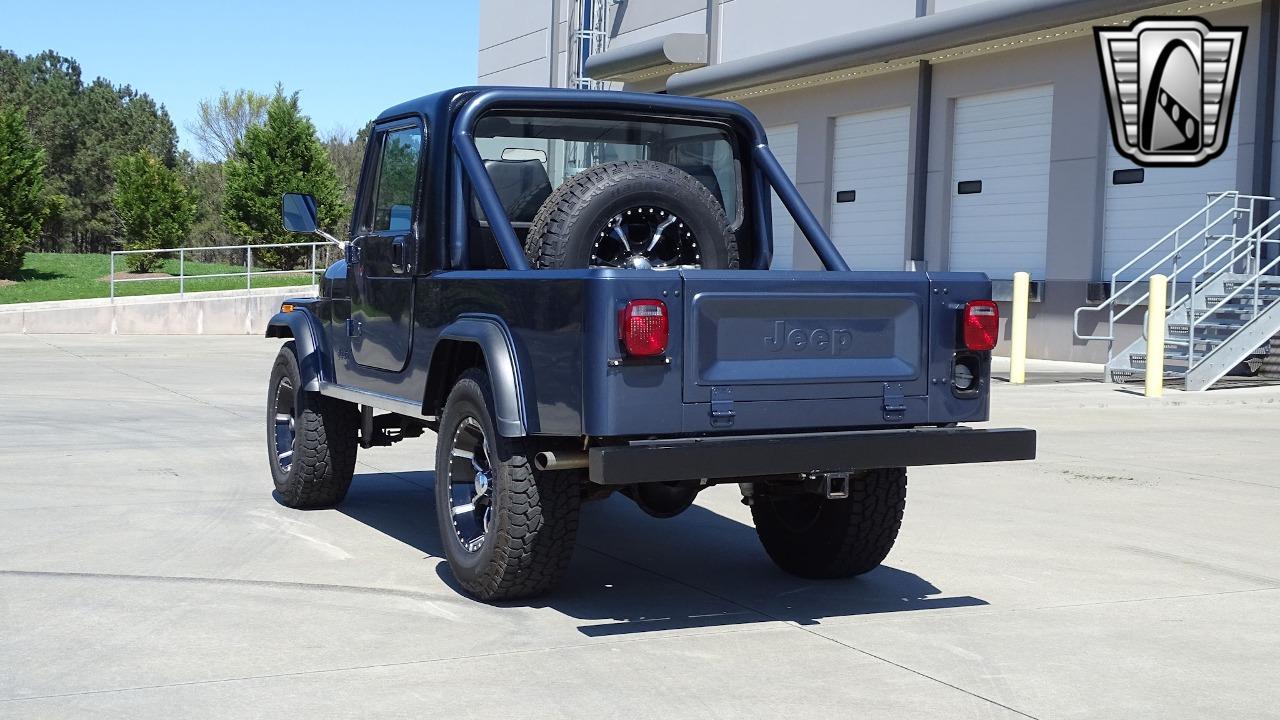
{"x":72,"y":276}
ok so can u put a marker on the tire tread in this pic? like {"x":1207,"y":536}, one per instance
{"x":549,"y":240}
{"x":324,"y":455}
{"x":851,"y":537}
{"x":537,"y":529}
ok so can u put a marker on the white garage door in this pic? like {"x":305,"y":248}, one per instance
{"x":1149,"y":202}
{"x":1000,"y":182}
{"x":783,"y":140}
{"x":869,"y":186}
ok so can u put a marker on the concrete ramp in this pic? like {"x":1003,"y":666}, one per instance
{"x":234,"y":312}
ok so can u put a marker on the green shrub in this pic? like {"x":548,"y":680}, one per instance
{"x":23,"y":205}
{"x":155,"y":209}
{"x":282,"y":155}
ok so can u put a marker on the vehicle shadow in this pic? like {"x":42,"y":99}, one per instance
{"x":632,"y":573}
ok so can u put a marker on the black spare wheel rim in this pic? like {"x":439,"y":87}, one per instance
{"x":285,"y":423}
{"x":470,"y":484}
{"x":646,"y":238}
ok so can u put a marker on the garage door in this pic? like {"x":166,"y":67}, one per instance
{"x":1141,"y":205}
{"x":783,"y":140}
{"x":1000,"y":182}
{"x":869,"y":186}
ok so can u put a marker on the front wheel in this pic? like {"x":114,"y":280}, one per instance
{"x":812,"y":536}
{"x":507,"y":529}
{"x":311,"y":439}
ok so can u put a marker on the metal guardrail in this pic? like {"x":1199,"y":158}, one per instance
{"x":317,"y":265}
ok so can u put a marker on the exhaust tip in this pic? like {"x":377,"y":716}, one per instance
{"x":548,"y":460}
{"x":543,"y":460}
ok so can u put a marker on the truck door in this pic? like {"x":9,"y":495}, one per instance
{"x":379,"y":258}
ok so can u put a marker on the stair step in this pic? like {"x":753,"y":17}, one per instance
{"x":1171,"y":364}
{"x":1205,"y":330}
{"x":1169,"y":374}
{"x":1244,"y":298}
{"x":1180,"y":344}
{"x":1266,"y":286}
{"x":1227,"y":314}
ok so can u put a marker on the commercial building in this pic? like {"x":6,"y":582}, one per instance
{"x":926,"y":134}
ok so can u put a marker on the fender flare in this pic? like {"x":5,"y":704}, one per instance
{"x":314,"y":361}
{"x":498,"y":347}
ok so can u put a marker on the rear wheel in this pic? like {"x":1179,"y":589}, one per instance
{"x":507,"y":529}
{"x":812,"y":536}
{"x":311,"y":439}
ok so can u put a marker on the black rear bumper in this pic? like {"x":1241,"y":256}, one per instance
{"x":718,"y":458}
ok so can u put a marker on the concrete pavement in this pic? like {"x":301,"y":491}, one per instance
{"x":146,"y":571}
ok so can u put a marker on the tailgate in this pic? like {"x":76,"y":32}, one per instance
{"x":772,"y":335}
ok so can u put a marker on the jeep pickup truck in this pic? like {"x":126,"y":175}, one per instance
{"x":572,"y":290}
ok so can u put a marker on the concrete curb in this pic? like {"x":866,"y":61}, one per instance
{"x":214,"y":313}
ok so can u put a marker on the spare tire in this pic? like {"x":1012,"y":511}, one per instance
{"x":635,"y":214}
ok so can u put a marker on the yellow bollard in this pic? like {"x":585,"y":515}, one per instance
{"x":1018,"y":329}
{"x":1155,"y":335}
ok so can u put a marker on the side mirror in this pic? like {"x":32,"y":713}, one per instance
{"x":298,"y":213}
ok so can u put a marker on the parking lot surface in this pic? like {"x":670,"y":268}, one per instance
{"x":146,"y":571}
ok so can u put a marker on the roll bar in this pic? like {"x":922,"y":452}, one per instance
{"x":469,"y":171}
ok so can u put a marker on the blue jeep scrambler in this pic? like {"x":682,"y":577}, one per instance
{"x":572,"y":290}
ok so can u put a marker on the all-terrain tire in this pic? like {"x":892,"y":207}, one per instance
{"x":565,"y":230}
{"x":529,"y":542}
{"x":813,"y":537}
{"x":325,"y":440}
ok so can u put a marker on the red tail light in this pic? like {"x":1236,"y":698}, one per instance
{"x":981,"y":325}
{"x":643,"y":328}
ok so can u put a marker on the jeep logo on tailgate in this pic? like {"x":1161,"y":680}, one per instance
{"x":821,"y":341}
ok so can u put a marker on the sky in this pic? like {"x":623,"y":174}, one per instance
{"x":349,"y":60}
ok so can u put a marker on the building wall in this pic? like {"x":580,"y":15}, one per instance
{"x":1079,"y":136}
{"x":515,"y":36}
{"x":751,"y":27}
{"x":515,"y":42}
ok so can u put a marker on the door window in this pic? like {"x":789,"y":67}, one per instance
{"x":397,"y":180}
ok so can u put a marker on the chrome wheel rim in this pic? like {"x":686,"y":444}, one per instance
{"x":470,"y":485}
{"x":284,"y":423}
{"x":646,"y":238}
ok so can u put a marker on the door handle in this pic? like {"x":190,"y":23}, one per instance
{"x":353,"y":252}
{"x":398,"y":264}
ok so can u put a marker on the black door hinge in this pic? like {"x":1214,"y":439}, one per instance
{"x":722,"y":413}
{"x":895,"y":402}
{"x":353,"y":327}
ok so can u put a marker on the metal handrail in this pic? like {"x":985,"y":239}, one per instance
{"x":313,"y":269}
{"x":1254,"y":281}
{"x":1174,"y":232}
{"x":1250,"y":243}
{"x":1236,"y":211}
{"x":1243,"y":248}
{"x":1115,"y":296}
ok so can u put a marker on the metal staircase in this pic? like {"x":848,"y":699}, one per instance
{"x":1224,"y":294}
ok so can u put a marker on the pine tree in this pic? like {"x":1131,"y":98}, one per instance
{"x":282,"y":155}
{"x":155,"y":209}
{"x":23,"y":206}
